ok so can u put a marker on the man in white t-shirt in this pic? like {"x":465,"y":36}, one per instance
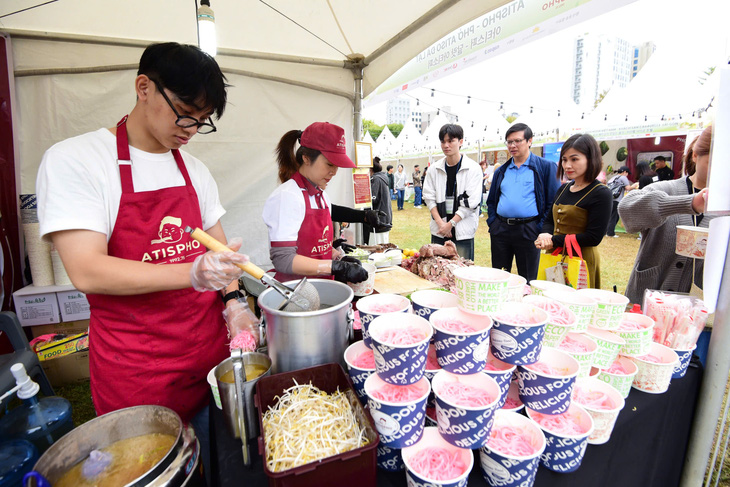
{"x":114,"y":202}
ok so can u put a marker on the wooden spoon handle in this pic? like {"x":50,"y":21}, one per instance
{"x":216,"y":246}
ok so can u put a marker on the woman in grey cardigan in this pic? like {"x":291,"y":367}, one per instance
{"x":656,"y":211}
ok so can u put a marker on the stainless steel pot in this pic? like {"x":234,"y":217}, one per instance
{"x":178,"y":468}
{"x":297,"y":340}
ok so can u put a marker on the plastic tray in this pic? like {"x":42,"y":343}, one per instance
{"x":353,"y":468}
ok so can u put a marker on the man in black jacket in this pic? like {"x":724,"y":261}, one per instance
{"x":522,"y":192}
{"x":391,"y":180}
{"x":381,"y":204}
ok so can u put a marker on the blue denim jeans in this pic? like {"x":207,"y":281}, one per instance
{"x":417,"y":201}
{"x":401,"y":194}
{"x":201,"y":425}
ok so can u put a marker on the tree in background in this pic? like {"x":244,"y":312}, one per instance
{"x":395,"y":128}
{"x":375,"y":129}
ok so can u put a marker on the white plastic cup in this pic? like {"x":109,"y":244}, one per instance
{"x":365,"y":288}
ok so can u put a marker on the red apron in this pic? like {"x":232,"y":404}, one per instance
{"x":315,"y":235}
{"x":154,"y":348}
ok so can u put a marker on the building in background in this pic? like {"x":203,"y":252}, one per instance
{"x":398,"y":110}
{"x":641,"y":55}
{"x":599,"y":63}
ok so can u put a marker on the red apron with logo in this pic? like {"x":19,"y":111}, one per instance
{"x":315,"y":235}
{"x":154,"y":348}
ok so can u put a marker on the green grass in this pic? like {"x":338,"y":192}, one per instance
{"x":410,"y":230}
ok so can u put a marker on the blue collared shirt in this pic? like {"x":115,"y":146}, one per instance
{"x":517,"y":199}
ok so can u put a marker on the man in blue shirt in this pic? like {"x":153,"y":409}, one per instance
{"x":522,"y":192}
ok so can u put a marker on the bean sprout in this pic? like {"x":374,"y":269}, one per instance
{"x":307,"y":425}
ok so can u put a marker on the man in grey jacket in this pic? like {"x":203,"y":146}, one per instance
{"x":655,"y":211}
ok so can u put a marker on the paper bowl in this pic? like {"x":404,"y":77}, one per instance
{"x":604,"y":419}
{"x":540,"y":287}
{"x":609,"y":345}
{"x":610,"y":307}
{"x":507,"y":470}
{"x":400,"y":364}
{"x":358,"y":375}
{"x":582,"y":306}
{"x":564,"y":452}
{"x":461,"y":352}
{"x":548,"y":393}
{"x":464,"y":426}
{"x":638,"y":342}
{"x":398,"y":424}
{"x":621,"y":382}
{"x":691,"y":241}
{"x":427,"y":301}
{"x":389,"y":459}
{"x":555,"y":329}
{"x":370,"y":307}
{"x":513,"y":342}
{"x":432,"y":439}
{"x":213,"y":382}
{"x":654,"y":378}
{"x":481,"y":290}
{"x":502,"y":373}
{"x":516,"y":287}
{"x":512,"y":400}
{"x":364,"y":288}
{"x":684,"y":358}
{"x":585,"y":359}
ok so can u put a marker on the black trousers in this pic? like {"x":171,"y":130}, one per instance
{"x":613,"y":221}
{"x":515,"y":242}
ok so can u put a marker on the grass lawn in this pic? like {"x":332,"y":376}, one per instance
{"x":410,"y":230}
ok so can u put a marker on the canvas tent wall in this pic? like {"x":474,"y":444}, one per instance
{"x":75,"y":63}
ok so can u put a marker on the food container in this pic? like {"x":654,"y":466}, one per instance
{"x":691,"y":241}
{"x":609,"y":345}
{"x":461,"y":352}
{"x":560,"y":319}
{"x":582,"y":306}
{"x":355,"y":467}
{"x":432,"y":439}
{"x":546,"y":392}
{"x":481,"y":290}
{"x":654,"y":378}
{"x":685,"y":356}
{"x":399,"y":424}
{"x":299,"y":339}
{"x":585,"y":359}
{"x":389,"y":459}
{"x":512,"y":400}
{"x":386,"y":259}
{"x":364,"y":288}
{"x":564,"y":452}
{"x":427,"y":301}
{"x":638,"y":341}
{"x":517,"y":333}
{"x":516,"y":287}
{"x":501,"y":372}
{"x":621,"y":382}
{"x":540,"y":287}
{"x":400,"y":364}
{"x":370,"y":307}
{"x":358,"y":374}
{"x":610,"y":307}
{"x":604,"y":419}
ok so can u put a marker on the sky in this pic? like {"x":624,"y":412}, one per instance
{"x":690,"y":35}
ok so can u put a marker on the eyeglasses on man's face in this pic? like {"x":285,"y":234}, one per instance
{"x":513,"y":142}
{"x":186,"y":121}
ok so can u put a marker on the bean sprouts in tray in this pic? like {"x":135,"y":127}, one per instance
{"x":307,"y":425}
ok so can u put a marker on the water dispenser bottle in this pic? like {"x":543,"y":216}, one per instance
{"x":17,"y":458}
{"x":40,"y":421}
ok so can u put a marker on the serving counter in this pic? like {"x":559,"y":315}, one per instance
{"x":647,"y":447}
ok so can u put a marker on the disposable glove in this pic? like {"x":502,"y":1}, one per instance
{"x":240,"y":319}
{"x":341,"y":243}
{"x":349,"y":269}
{"x":213,"y":271}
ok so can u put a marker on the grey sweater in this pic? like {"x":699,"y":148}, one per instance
{"x":656,"y":211}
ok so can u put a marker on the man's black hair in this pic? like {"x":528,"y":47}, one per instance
{"x":388,"y":167}
{"x":452,"y":130}
{"x":191,"y":74}
{"x":376,"y":165}
{"x":660,"y":158}
{"x":519,"y":127}
{"x":416,"y":166}
{"x":376,"y":159}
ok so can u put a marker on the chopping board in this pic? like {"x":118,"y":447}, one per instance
{"x":397,"y":280}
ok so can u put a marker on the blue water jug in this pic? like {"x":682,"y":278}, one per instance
{"x":17,"y":458}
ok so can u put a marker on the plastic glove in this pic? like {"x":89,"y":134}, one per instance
{"x":349,"y":269}
{"x":213,"y":271}
{"x":341,"y":243}
{"x":97,"y":462}
{"x":240,"y":318}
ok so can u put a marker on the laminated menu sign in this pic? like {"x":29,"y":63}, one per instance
{"x":361,"y":188}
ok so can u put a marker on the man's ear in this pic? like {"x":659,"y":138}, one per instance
{"x":142,"y":86}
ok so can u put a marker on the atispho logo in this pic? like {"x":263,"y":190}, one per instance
{"x":170,"y":231}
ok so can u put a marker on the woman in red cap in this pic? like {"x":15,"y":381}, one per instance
{"x":299,"y":213}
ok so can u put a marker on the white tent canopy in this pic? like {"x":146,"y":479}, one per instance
{"x":410,"y":140}
{"x":75,"y":65}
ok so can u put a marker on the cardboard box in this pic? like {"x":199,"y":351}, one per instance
{"x":61,"y":348}
{"x":37,"y":305}
{"x":67,"y":370}
{"x":64,"y":327}
{"x":74,"y":305}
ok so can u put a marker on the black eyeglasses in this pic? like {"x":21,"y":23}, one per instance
{"x":185,"y":121}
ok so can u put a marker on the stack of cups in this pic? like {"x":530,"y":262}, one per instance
{"x":603,"y":402}
{"x":561,"y":319}
{"x":398,"y":390}
{"x":370,"y":307}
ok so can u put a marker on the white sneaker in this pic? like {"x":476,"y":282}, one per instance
{"x":615,"y":236}
{"x":417,"y":207}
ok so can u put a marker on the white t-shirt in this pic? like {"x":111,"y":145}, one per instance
{"x":284,"y":212}
{"x":78,"y":185}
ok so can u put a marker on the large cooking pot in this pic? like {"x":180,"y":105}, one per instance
{"x":297,"y":340}
{"x":178,"y":468}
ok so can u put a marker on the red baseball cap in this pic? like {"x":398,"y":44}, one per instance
{"x":329,"y":139}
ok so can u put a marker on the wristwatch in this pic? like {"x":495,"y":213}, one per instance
{"x":233,"y":295}
{"x":453,"y":223}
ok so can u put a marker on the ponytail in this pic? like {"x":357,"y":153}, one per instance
{"x":289,"y":161}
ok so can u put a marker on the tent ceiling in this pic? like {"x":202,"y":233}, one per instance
{"x":386,"y":33}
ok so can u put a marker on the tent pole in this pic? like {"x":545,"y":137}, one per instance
{"x":358,"y":70}
{"x":709,"y":402}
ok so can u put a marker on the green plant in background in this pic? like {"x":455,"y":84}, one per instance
{"x":604,"y":147}
{"x":609,"y":169}
{"x":622,"y":154}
